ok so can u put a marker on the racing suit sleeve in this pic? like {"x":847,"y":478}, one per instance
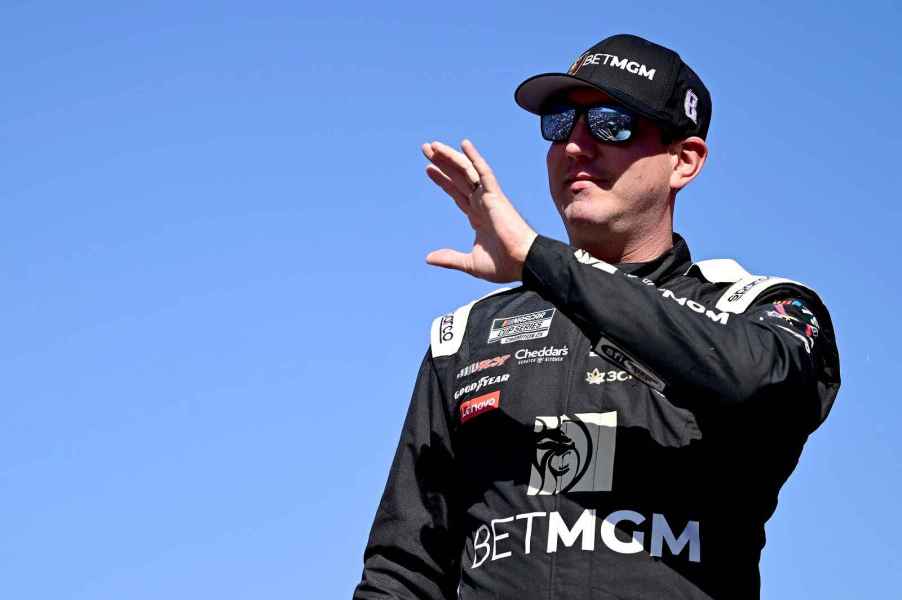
{"x":698,"y":357}
{"x":414,"y":548}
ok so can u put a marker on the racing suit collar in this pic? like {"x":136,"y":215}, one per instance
{"x":673,"y":262}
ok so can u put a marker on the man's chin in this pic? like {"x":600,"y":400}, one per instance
{"x":590,"y":193}
{"x":582,"y":213}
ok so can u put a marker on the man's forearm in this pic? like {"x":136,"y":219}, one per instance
{"x":694,"y":350}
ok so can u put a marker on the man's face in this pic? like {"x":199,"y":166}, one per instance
{"x":601,"y":188}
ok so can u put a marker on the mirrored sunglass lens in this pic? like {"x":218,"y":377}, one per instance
{"x":610,"y":125}
{"x":556,"y":126}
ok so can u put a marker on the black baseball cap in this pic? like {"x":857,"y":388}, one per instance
{"x":647,"y":78}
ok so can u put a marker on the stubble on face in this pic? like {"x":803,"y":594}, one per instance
{"x":608,"y":191}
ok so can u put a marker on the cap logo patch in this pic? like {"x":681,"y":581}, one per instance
{"x":610,"y":60}
{"x":576,"y":64}
{"x":690,"y":104}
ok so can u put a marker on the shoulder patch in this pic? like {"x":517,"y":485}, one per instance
{"x":448,"y":330}
{"x":739,"y":296}
{"x":745,"y":287}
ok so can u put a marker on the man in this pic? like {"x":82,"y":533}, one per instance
{"x":618,"y":426}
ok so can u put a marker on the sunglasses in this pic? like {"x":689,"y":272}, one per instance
{"x":606,"y":123}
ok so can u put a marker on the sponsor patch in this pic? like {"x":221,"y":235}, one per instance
{"x":786,"y":306}
{"x":597,"y":377}
{"x":619,"y":357}
{"x":446,"y":328}
{"x":796,"y":319}
{"x":482,"y":365}
{"x":610,"y":60}
{"x":742,"y":291}
{"x":592,"y":531}
{"x":529,"y":326}
{"x":573,"y":454}
{"x":480,"y":383}
{"x":477,"y":406}
{"x":717,"y":317}
{"x":576,"y":64}
{"x":526,"y":356}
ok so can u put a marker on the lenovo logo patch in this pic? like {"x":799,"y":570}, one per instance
{"x":480,"y":404}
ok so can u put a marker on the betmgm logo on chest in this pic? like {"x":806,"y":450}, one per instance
{"x":529,"y":326}
{"x":575,"y":453}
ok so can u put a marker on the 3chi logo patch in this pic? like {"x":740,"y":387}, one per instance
{"x":597,"y":377}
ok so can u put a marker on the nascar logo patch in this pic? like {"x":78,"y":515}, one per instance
{"x":529,"y":326}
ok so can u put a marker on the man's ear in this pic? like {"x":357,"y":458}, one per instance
{"x":688,"y":158}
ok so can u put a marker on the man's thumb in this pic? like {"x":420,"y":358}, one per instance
{"x":449,"y":259}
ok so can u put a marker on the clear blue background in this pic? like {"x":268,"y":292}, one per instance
{"x":214,"y":295}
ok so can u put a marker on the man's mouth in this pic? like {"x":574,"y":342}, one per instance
{"x":582,"y":176}
{"x":581,"y":180}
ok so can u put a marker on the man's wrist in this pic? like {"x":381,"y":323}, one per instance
{"x":523,"y":251}
{"x":543,"y":261}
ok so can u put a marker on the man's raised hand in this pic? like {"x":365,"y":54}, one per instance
{"x":502,"y":239}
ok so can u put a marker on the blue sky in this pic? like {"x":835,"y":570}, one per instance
{"x":215,"y":299}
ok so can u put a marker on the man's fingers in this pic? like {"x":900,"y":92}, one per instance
{"x":444,"y":182}
{"x":450,"y":259}
{"x":459,"y":158}
{"x":462,"y":186}
{"x":428,"y":152}
{"x":483,"y":170}
{"x":461,"y":165}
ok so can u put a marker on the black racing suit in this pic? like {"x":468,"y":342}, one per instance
{"x":603,"y":432}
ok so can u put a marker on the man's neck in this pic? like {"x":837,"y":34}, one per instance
{"x":628,"y":249}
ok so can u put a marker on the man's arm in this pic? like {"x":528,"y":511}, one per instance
{"x":414,"y":549}
{"x":697,"y":359}
{"x":696,"y":354}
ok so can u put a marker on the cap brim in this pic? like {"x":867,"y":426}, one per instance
{"x":533,"y":93}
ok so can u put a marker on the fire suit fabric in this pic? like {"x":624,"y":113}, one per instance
{"x":603,"y":431}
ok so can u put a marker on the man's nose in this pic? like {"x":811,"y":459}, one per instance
{"x":581,"y":142}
